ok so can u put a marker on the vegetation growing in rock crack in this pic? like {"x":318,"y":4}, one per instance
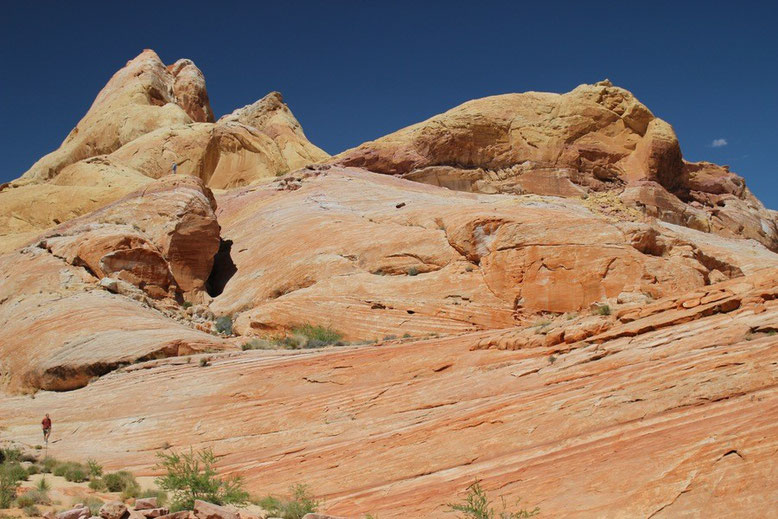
{"x":192,"y":475}
{"x":301,"y":336}
{"x":476,"y":505}
{"x":603,"y":310}
{"x":300,"y":503}
{"x":224,"y":325}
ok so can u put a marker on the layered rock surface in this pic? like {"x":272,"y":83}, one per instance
{"x":145,"y":119}
{"x":59,"y":327}
{"x":594,"y":138}
{"x":371,"y":255}
{"x":665,"y":414}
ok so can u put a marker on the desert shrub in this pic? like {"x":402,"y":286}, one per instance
{"x":76,"y":474}
{"x":33,"y":497}
{"x":477,"y":506}
{"x":48,"y":464}
{"x":413,"y":271}
{"x":12,"y":454}
{"x":186,"y":304}
{"x":603,"y":310}
{"x":97,"y":484}
{"x":10,"y":475}
{"x":94,"y":468}
{"x":31,"y":511}
{"x":33,"y":469}
{"x":224,"y":325}
{"x":93,"y":503}
{"x":301,"y":502}
{"x":43,"y":484}
{"x":256,"y":344}
{"x":317,"y":336}
{"x":191,"y":475}
{"x":119,"y":481}
{"x":205,"y":361}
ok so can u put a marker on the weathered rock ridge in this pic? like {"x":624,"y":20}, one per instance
{"x":145,"y":119}
{"x":595,"y":138}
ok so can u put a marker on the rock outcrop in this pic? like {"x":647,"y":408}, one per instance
{"x":101,"y":289}
{"x":373,"y":255}
{"x":145,"y":119}
{"x":592,"y":139}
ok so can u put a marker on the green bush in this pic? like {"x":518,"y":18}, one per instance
{"x":43,"y":484}
{"x":224,"y":325}
{"x":12,"y":454}
{"x":603,"y":310}
{"x":76,"y":474}
{"x":119,"y":481}
{"x":309,"y":336}
{"x":10,"y":475}
{"x":33,"y":497}
{"x":190,"y":476}
{"x":94,"y":504}
{"x":31,"y":511}
{"x":97,"y":484}
{"x":477,"y":506}
{"x":160,"y":495}
{"x":413,"y":271}
{"x":33,"y":469}
{"x":48,"y":465}
{"x":302,"y":502}
{"x":95,"y":469}
{"x":256,"y":344}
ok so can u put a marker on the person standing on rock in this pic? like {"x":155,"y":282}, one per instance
{"x":46,"y":424}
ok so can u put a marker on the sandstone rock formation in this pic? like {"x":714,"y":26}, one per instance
{"x":372,"y":256}
{"x":594,"y":138}
{"x":146,"y":118}
{"x":670,"y":411}
{"x":60,"y":328}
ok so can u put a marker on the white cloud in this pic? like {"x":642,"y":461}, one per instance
{"x":718,"y":143}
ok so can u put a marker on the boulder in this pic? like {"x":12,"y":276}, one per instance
{"x":151,"y":513}
{"x":113,"y":510}
{"x":205,"y":510}
{"x":78,"y":512}
{"x":145,"y":503}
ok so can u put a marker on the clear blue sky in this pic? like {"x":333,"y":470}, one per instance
{"x":353,"y":71}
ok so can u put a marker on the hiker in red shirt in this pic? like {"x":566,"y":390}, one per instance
{"x":46,"y":424}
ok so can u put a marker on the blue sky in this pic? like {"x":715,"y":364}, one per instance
{"x":353,"y":71}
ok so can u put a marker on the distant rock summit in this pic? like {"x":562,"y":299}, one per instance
{"x":595,"y":139}
{"x":146,"y":118}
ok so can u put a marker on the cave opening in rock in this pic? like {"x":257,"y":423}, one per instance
{"x":223,"y":269}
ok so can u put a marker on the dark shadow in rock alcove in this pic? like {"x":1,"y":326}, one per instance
{"x":223,"y":269}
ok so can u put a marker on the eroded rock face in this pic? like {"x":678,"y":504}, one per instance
{"x":145,"y":119}
{"x":439,"y":261}
{"x":161,"y":239}
{"x":681,"y":388}
{"x":594,"y":138}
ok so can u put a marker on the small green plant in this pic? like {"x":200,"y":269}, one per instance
{"x":256,"y":344}
{"x":10,"y":475}
{"x":191,"y":475}
{"x":94,"y":504}
{"x":186,"y":304}
{"x":31,"y":511}
{"x":32,"y":497}
{"x":119,"y":481}
{"x":477,"y":506}
{"x":12,"y":454}
{"x":33,"y":469}
{"x":48,"y":465}
{"x":406,"y":336}
{"x":603,"y":310}
{"x":413,"y":271}
{"x":301,"y":502}
{"x":76,"y":474}
{"x":97,"y":484}
{"x":43,"y":484}
{"x":551,"y":358}
{"x":95,"y":469}
{"x":205,"y":361}
{"x":320,"y":335}
{"x":224,"y":325}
